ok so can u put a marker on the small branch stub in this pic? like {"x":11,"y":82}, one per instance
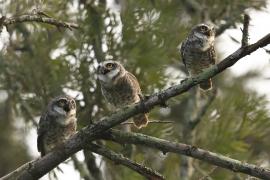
{"x":245,"y":36}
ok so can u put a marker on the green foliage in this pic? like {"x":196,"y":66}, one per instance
{"x":42,"y":61}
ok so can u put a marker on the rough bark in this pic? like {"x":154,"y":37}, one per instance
{"x":120,"y":159}
{"x":4,"y":21}
{"x":40,"y":167}
{"x":188,"y":150}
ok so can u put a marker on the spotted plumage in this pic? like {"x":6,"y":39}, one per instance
{"x":120,"y":88}
{"x":56,"y":124}
{"x":198,"y":51}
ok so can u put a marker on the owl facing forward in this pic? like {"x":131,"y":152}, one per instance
{"x":198,"y":51}
{"x":57,"y":124}
{"x":120,"y":88}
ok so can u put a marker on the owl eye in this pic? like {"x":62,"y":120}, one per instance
{"x":61,"y":102}
{"x":204,"y":28}
{"x":109,"y":65}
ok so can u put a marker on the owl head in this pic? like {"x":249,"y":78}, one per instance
{"x":63,"y":107}
{"x":203,"y":33}
{"x":203,"y":30}
{"x":108,"y":72}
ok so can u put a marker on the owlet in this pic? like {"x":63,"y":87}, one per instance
{"x":57,"y":124}
{"x":198,"y":51}
{"x":120,"y":88}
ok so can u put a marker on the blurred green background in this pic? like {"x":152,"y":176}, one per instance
{"x":40,"y":61}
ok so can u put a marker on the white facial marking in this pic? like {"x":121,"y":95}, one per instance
{"x":200,"y":35}
{"x":59,"y":110}
{"x":102,"y":77}
{"x":207,"y":41}
{"x":107,"y":78}
{"x":113,"y":73}
{"x":66,"y":120}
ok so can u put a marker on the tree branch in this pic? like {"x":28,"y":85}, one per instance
{"x":151,"y":122}
{"x":188,"y":150}
{"x":119,"y":158}
{"x":245,"y":36}
{"x":36,"y":18}
{"x":43,"y":165}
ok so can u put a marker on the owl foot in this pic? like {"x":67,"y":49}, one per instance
{"x":142,"y":99}
{"x":184,"y":80}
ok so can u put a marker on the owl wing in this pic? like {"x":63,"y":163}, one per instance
{"x":182,"y":51}
{"x":135,"y":82}
{"x":41,"y":131}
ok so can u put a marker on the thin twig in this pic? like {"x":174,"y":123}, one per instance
{"x":80,"y":166}
{"x":188,"y":150}
{"x":245,"y":36}
{"x":91,"y":132}
{"x":150,"y":122}
{"x":202,"y":172}
{"x":38,"y":18}
{"x":208,"y":175}
{"x":202,"y":111}
{"x":119,"y":158}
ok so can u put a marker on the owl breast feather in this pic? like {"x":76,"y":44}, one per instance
{"x":122,"y":93}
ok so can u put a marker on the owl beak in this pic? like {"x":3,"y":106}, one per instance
{"x":213,"y":31}
{"x":103,"y":70}
{"x":67,"y":107}
{"x":208,"y":33}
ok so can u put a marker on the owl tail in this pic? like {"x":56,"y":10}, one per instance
{"x":206,"y":85}
{"x":140,"y":120}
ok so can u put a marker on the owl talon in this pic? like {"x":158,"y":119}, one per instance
{"x":184,"y":80}
{"x":142,"y":99}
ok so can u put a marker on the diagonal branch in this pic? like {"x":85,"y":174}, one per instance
{"x":41,"y":166}
{"x":188,"y":150}
{"x":36,"y":18}
{"x":119,"y":158}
